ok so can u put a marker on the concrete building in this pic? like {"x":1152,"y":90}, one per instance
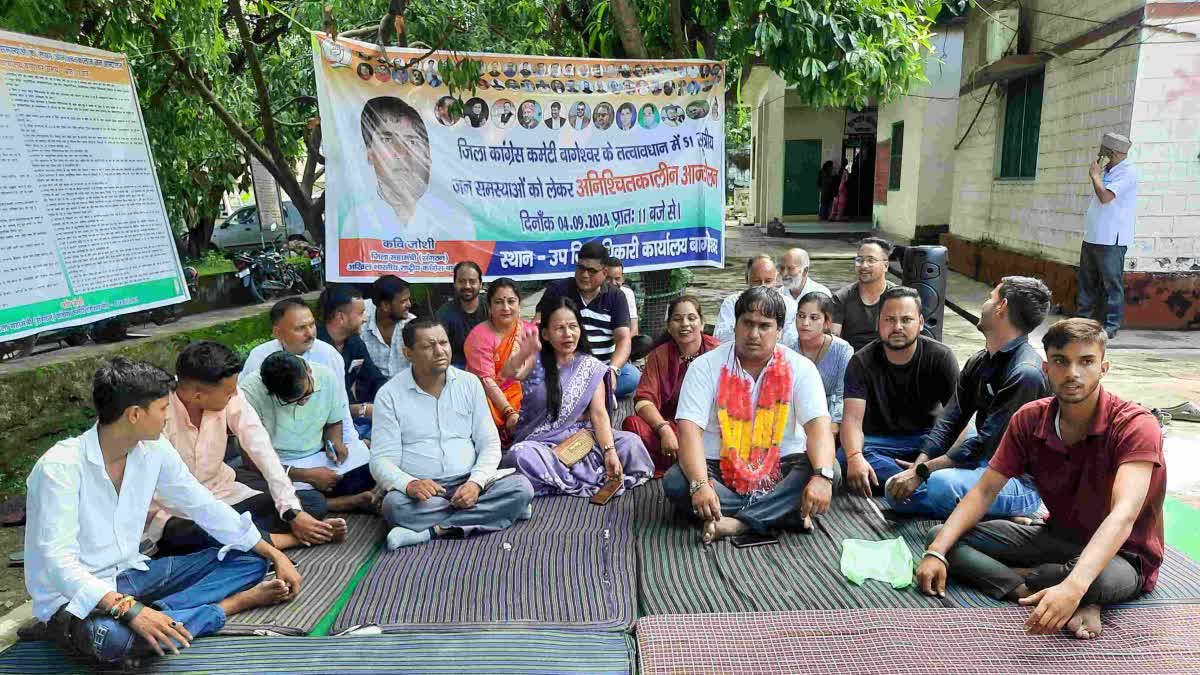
{"x":1031,"y":121}
{"x":790,"y":141}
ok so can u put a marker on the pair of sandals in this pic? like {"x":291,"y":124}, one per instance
{"x":1184,"y":412}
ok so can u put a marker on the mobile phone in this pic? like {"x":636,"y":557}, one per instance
{"x":752,"y":539}
{"x":608,"y":490}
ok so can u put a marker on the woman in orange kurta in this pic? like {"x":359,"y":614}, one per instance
{"x":657,"y":394}
{"x":491,"y":345}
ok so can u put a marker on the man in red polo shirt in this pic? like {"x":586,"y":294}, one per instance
{"x":1098,"y":463}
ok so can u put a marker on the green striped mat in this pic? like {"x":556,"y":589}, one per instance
{"x":679,"y":575}
{"x":325,"y":572}
{"x":491,"y":652}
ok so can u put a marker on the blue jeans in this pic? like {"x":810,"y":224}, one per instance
{"x":362,"y":425}
{"x":938,"y":496}
{"x":881,"y":452}
{"x":627,"y":380}
{"x":1102,"y":284}
{"x":186,"y":588}
{"x":761,"y":511}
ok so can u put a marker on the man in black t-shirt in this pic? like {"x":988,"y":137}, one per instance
{"x":895,"y":388}
{"x":856,"y":306}
{"x":605,"y":315}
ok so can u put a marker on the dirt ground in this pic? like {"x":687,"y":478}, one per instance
{"x":12,"y":579}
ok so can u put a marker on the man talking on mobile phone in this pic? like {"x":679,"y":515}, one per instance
{"x":1108,"y":231}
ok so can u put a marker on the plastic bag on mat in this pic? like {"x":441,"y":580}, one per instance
{"x":889,"y":561}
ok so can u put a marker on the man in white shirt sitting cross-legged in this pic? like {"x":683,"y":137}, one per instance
{"x":436,"y":449}
{"x":93,"y":591}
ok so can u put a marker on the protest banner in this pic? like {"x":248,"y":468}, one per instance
{"x":547,"y":154}
{"x":83,"y":231}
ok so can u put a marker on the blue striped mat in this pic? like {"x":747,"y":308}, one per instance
{"x":499,"y":651}
{"x":570,"y":567}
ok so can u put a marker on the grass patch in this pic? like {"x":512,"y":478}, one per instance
{"x":212,"y":262}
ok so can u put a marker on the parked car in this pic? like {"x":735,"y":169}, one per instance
{"x":242,"y":230}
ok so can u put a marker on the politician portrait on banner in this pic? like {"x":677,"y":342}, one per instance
{"x":517,"y":175}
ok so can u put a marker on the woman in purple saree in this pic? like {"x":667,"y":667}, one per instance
{"x":564,"y":391}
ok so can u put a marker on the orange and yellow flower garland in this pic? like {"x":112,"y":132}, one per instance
{"x":751,"y":434}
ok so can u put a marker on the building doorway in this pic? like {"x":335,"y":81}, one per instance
{"x":801,"y":165}
{"x":858,"y":158}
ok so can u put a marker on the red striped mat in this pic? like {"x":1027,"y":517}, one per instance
{"x":928,"y":641}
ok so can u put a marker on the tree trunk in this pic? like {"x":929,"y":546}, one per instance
{"x":678,"y":36}
{"x":625,"y":21}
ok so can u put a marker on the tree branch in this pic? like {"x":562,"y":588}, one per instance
{"x":564,"y":10}
{"x":625,"y":21}
{"x":283,"y":172}
{"x":678,"y":38}
{"x":235,"y":129}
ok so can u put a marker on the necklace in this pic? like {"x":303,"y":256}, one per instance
{"x":688,"y":358}
{"x":826,"y":340}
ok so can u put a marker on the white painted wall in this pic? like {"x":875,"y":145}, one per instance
{"x":1043,"y":215}
{"x":1166,"y":149}
{"x":764,"y":92}
{"x":928,"y":163}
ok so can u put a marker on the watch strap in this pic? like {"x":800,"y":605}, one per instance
{"x":922,"y":470}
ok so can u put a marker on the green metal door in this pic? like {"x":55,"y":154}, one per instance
{"x":801,"y":164}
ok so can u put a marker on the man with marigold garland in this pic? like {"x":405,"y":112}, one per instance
{"x":756,"y":448}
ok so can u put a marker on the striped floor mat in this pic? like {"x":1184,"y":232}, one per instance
{"x":569,"y":567}
{"x":1178,"y":578}
{"x":679,"y":575}
{"x":500,"y":651}
{"x":931,"y":642}
{"x":325,"y":571}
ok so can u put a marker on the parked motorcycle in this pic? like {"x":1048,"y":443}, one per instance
{"x":267,"y":274}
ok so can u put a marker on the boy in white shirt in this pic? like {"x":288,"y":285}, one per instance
{"x":92,"y":589}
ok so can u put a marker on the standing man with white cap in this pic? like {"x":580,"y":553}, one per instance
{"x":1108,"y":231}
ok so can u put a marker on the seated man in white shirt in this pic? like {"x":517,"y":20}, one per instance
{"x":794,"y":266}
{"x":437,"y":450}
{"x":93,"y":591}
{"x":295,"y":331}
{"x":205,"y":409}
{"x":760,"y":271}
{"x":721,"y":478}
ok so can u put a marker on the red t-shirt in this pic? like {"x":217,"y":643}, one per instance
{"x":1076,"y":482}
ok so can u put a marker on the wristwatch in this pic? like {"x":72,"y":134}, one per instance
{"x":289,"y":515}
{"x":694,"y":486}
{"x":824,"y":472}
{"x":922,"y":470}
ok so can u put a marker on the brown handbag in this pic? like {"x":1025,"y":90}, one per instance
{"x":575,"y":447}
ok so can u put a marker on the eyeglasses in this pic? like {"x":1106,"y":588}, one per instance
{"x":859,"y":260}
{"x":309,"y":390}
{"x":593,"y":271}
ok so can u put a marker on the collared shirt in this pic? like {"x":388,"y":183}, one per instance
{"x":297,"y":431}
{"x":459,"y":325}
{"x":991,"y":387}
{"x":698,"y":399}
{"x":321,"y":352}
{"x":388,"y":356}
{"x":203,"y":452}
{"x":81,"y":533}
{"x":630,"y":302}
{"x":363,"y":377}
{"x":726,"y":319}
{"x":1076,"y":482}
{"x":1113,"y":223}
{"x":416,"y":436}
{"x":811,"y":286}
{"x":605,"y":313}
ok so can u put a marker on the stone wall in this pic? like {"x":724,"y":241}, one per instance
{"x":40,"y":405}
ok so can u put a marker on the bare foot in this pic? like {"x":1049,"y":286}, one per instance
{"x":270,"y":592}
{"x":725,"y":527}
{"x":1085,"y":624}
{"x":339,"y":528}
